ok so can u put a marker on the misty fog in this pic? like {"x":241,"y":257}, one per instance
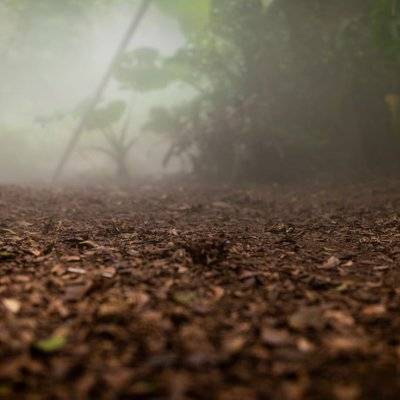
{"x":258,"y":91}
{"x":50,"y":65}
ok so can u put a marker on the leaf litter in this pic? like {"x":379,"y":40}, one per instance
{"x":200,"y":293}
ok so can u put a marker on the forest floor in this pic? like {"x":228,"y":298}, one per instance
{"x":198,"y":292}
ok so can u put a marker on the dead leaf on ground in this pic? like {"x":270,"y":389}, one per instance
{"x":109,"y":272}
{"x":345,"y":344}
{"x":307,"y":317}
{"x":221,"y":204}
{"x":89,"y":243}
{"x":12,"y":305}
{"x":350,"y":391}
{"x":184,"y":297}
{"x":75,"y":270}
{"x":233,"y":344}
{"x":331,"y":262}
{"x":218,"y":292}
{"x":76,"y":292}
{"x":71,"y":258}
{"x":275,"y":337}
{"x":375,"y":310}
{"x":339,"y":318}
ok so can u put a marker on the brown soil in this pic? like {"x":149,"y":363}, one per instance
{"x":200,"y":293}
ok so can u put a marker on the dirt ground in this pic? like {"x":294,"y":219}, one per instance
{"x":193,"y":292}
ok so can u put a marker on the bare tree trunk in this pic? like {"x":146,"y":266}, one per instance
{"x":102,"y":86}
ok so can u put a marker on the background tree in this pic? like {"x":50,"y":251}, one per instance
{"x":279,"y":89}
{"x":289,"y":89}
{"x":112,"y":121}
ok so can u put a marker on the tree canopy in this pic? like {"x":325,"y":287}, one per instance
{"x":299,"y":84}
{"x":273,"y":83}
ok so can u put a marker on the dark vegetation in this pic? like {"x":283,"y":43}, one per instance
{"x":281,"y":90}
{"x":284,"y":92}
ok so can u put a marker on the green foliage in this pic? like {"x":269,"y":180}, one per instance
{"x":113,"y":122}
{"x":386,"y":26}
{"x":272,"y":79}
{"x":193,"y":16}
{"x":142,"y":70}
{"x":161,"y":120}
{"x":51,"y":344}
{"x":274,"y":83}
{"x":107,"y":115}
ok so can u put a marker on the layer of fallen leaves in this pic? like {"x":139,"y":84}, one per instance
{"x":200,"y":293}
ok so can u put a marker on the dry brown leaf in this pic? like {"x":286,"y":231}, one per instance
{"x":331,"y":262}
{"x":76,"y":270}
{"x":76,"y":292}
{"x":12,"y":305}
{"x":35,"y":252}
{"x":112,"y":308}
{"x":348,"y":264}
{"x":347,"y":391}
{"x":275,"y":337}
{"x":218,"y":292}
{"x":340,"y":318}
{"x":307,"y":317}
{"x":71,"y":258}
{"x":233,"y":344}
{"x":221,"y":204}
{"x":58,"y":270}
{"x":345,"y":344}
{"x":89,"y":243}
{"x":109,"y":272}
{"x":304,"y":345}
{"x":375,"y":310}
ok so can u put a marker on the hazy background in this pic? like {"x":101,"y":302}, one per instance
{"x":226,"y":90}
{"x":49,"y":66}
